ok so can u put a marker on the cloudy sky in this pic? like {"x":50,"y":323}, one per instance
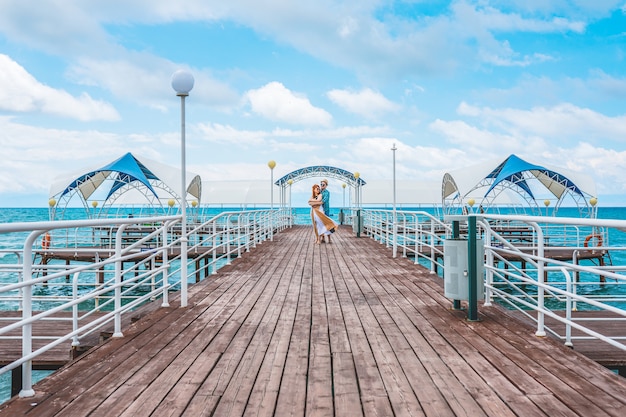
{"x":325,"y":82}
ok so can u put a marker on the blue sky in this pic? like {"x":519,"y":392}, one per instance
{"x":451,"y":83}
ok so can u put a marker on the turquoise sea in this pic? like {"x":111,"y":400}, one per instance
{"x":301,"y":216}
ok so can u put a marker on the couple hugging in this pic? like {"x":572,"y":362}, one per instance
{"x":320,"y":206}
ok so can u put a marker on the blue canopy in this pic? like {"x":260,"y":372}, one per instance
{"x":514,"y":168}
{"x":124,"y":170}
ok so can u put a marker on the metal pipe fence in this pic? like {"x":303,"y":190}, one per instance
{"x":84,"y":270}
{"x":547,"y":266}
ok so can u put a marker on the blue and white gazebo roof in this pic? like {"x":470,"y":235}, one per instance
{"x":126,"y":180}
{"x":515,"y":181}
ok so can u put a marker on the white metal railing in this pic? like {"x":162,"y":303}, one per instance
{"x":540,"y":278}
{"x":417,"y":234}
{"x":551,"y":266}
{"x":42,"y":288}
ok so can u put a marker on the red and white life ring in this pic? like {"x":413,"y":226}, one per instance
{"x":595,"y":236}
{"x":45,"y":241}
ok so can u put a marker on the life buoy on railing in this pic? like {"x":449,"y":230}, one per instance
{"x":599,"y":241}
{"x":593,"y":236}
{"x":45,"y":241}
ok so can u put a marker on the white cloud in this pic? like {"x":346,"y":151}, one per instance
{"x":606,"y":166}
{"x":275,"y":102}
{"x":603,"y":82}
{"x":146,"y":79}
{"x":216,"y":132}
{"x":491,"y":18}
{"x":560,"y":123}
{"x":58,"y":27}
{"x":366,"y":102}
{"x":562,"y":135}
{"x":482,"y":142}
{"x":574,"y":9}
{"x":34,"y":156}
{"x":353,"y":35}
{"x":104,"y":45}
{"x":21,"y":92}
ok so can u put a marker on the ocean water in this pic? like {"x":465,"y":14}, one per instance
{"x":301,"y":216}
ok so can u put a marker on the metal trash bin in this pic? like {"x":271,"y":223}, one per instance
{"x":357,"y":223}
{"x":456,"y":275}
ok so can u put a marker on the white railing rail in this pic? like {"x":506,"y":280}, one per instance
{"x":418,"y":234}
{"x":43,"y":291}
{"x":519,"y":272}
{"x":537,"y":282}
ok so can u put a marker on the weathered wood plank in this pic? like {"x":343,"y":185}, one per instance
{"x":342,"y":329}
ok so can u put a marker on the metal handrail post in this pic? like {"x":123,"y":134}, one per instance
{"x":239,"y":227}
{"x":472,"y":302}
{"x":75,"y":341}
{"x":27,"y":313}
{"x":489,"y":259}
{"x":541,"y":280}
{"x":254,"y":229}
{"x":166,"y":267}
{"x":247,"y":232}
{"x":456,"y":232}
{"x":433,"y":265}
{"x":117,"y":331}
{"x":386,"y":231}
{"x":418,"y":238}
{"x":214,"y":248}
{"x":228,"y":230}
{"x":568,"y":308}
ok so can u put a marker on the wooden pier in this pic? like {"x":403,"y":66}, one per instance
{"x":343,"y":329}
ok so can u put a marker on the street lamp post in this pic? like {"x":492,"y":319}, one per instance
{"x":271,"y":165}
{"x":357,"y":199}
{"x":594,"y":210}
{"x":342,"y":213}
{"x":51,"y":203}
{"x":471,"y":203}
{"x":356,"y":190}
{"x":395,"y":218}
{"x":182,"y":83}
{"x":94,"y":204}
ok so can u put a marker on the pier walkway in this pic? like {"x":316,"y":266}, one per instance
{"x":341,"y":329}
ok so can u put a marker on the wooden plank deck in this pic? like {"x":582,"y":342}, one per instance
{"x":341,"y":329}
{"x":44,"y":332}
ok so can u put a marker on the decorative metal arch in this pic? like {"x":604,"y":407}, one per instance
{"x":151,"y":199}
{"x":319,"y":171}
{"x":517,"y":183}
{"x":124,"y":184}
{"x":148,"y":193}
{"x":110,"y":182}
